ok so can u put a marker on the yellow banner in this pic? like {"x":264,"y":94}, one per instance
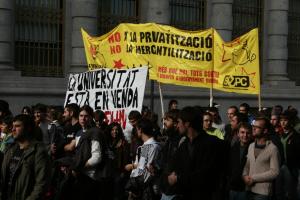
{"x":237,"y":63}
{"x":174,"y":56}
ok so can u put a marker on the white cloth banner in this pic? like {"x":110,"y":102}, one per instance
{"x":116,"y":92}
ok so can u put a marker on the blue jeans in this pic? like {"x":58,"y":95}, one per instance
{"x":237,"y":195}
{"x":254,"y":196}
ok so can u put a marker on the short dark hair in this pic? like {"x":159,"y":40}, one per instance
{"x":213,"y":109}
{"x":207,"y":114}
{"x":172,"y":114}
{"x":234,"y":107}
{"x":40,"y":107}
{"x":146,"y":126}
{"x":7,"y":120}
{"x":192,"y":115}
{"x":246,"y":106}
{"x":266,"y":122}
{"x":134,"y":114}
{"x":245,"y":125}
{"x":74,"y":108}
{"x":100,"y":114}
{"x":88,"y":109}
{"x":28,"y":123}
{"x":172,"y":101}
{"x":241,"y":117}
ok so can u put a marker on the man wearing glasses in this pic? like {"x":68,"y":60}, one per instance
{"x":262,"y":165}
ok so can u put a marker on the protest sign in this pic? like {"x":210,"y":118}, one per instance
{"x":237,"y":63}
{"x":173,"y":56}
{"x":116,"y":92}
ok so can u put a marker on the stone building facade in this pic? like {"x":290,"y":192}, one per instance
{"x":40,"y":44}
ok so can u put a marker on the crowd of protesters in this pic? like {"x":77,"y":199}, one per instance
{"x":50,"y":152}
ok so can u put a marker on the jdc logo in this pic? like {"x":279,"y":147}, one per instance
{"x":236,"y":81}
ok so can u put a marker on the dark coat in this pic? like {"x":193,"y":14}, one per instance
{"x":236,"y":167}
{"x":293,"y":152}
{"x":32,"y":174}
{"x":167,"y":155}
{"x":83,"y":153}
{"x":199,"y":172}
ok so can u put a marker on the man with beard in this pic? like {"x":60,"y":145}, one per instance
{"x":262,"y":165}
{"x":71,"y":126}
{"x":25,"y":169}
{"x":168,"y":152}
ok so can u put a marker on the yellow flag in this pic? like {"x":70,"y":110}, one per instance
{"x":237,"y":63}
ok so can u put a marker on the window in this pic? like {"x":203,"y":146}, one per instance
{"x":188,"y":14}
{"x":293,"y":64}
{"x":38,"y":37}
{"x":114,"y":12}
{"x":247,"y":15}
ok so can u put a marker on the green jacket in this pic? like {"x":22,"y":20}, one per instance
{"x":32,"y":175}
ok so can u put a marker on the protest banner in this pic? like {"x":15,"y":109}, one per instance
{"x":174,"y":56}
{"x":188,"y":58}
{"x":116,"y":92}
{"x":236,"y":64}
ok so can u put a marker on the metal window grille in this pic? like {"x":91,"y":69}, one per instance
{"x":188,"y":14}
{"x":38,"y":37}
{"x":293,"y":64}
{"x":113,"y":12}
{"x":248,"y":14}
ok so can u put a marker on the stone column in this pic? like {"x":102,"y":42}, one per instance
{"x":155,"y":11}
{"x":221,"y":17}
{"x":277,"y":33}
{"x":84,"y":14}
{"x":6,"y":36}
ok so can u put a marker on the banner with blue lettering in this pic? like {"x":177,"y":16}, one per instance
{"x":116,"y":92}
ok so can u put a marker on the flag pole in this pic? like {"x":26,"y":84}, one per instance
{"x":161,"y":101}
{"x":259,"y":101}
{"x":211,"y":96}
{"x":211,"y":99}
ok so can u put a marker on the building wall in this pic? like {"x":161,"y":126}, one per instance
{"x":276,"y":89}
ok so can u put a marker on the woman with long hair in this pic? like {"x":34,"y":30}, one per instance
{"x":120,"y":155}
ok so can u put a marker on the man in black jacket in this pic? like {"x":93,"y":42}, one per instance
{"x":196,"y":167}
{"x":168,"y":151}
{"x":289,"y":171}
{"x":238,"y":157}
